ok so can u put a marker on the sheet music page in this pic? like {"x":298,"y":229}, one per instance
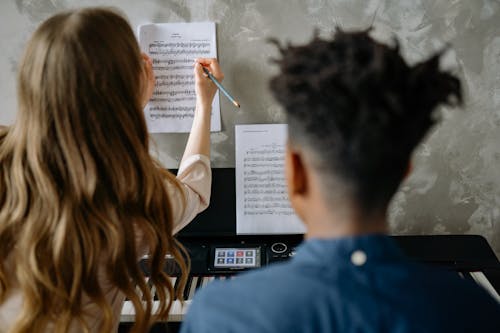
{"x":262,"y":205}
{"x":173,"y":48}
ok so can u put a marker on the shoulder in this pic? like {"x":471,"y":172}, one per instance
{"x":250,"y":288}
{"x":251,"y":302}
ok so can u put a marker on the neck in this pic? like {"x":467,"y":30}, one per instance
{"x":343,"y":223}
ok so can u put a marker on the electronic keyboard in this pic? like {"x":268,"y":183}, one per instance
{"x":214,"y":258}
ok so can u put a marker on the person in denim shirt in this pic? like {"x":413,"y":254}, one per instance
{"x":355,"y":111}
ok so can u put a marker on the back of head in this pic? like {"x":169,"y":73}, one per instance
{"x":359,"y":110}
{"x":76,"y":177}
{"x":79,"y":81}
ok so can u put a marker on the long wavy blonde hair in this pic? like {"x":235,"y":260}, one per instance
{"x":77,"y":183}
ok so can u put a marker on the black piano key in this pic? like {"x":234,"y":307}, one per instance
{"x":199,"y":282}
{"x":176,"y":286}
{"x":155,"y":296}
{"x":185,"y":293}
{"x":173,"y":281}
{"x":193,"y":283}
{"x":143,"y":264}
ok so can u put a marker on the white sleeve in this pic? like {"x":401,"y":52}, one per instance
{"x":195,"y":178}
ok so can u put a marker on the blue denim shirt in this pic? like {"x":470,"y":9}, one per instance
{"x":354,"y":284}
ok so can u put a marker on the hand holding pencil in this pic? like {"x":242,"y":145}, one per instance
{"x":210,"y":69}
{"x":205,"y":89}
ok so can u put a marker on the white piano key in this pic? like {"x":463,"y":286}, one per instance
{"x":483,"y":281}
{"x":177,"y":311}
{"x":192,"y":289}
{"x":206,"y":280}
{"x":128,"y":312}
{"x":138,"y":290}
{"x":153,"y":291}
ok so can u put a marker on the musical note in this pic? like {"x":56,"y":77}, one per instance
{"x":261,"y":189}
{"x":173,"y":48}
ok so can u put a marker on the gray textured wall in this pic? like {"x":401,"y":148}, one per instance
{"x":455,"y":184}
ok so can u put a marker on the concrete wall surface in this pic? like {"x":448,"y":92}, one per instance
{"x":455,"y":183}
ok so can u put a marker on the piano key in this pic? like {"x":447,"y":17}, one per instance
{"x":199,"y":283}
{"x":174,"y":281}
{"x":153,"y":291}
{"x":485,"y":283}
{"x":143,"y":263}
{"x":128,"y":312}
{"x":153,"y":287}
{"x":467,"y":276}
{"x":185,"y":292}
{"x":138,"y":290}
{"x":204,"y":281}
{"x":192,"y":289}
{"x":177,"y":311}
{"x":207,"y":280}
{"x":178,"y":287}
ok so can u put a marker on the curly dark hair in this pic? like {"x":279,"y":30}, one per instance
{"x":360,"y":109}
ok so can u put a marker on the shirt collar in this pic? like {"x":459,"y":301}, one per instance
{"x":374,"y":248}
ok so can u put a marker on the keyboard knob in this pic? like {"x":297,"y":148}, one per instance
{"x":279,"y":247}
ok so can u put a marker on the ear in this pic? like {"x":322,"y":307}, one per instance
{"x":296,"y":174}
{"x":409,"y":169}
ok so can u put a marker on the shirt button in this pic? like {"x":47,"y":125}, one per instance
{"x":358,"y":258}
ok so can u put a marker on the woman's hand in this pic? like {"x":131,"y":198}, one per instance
{"x":205,"y":88}
{"x":148,"y":80}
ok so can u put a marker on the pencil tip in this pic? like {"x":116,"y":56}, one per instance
{"x":237,"y":104}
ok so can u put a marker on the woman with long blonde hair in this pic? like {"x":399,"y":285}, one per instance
{"x":81,"y":199}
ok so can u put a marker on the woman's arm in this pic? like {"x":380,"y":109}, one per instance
{"x":199,"y":137}
{"x":194,"y":171}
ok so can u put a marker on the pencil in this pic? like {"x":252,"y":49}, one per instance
{"x":221,"y":88}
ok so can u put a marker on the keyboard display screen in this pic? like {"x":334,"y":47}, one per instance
{"x":237,"y":257}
